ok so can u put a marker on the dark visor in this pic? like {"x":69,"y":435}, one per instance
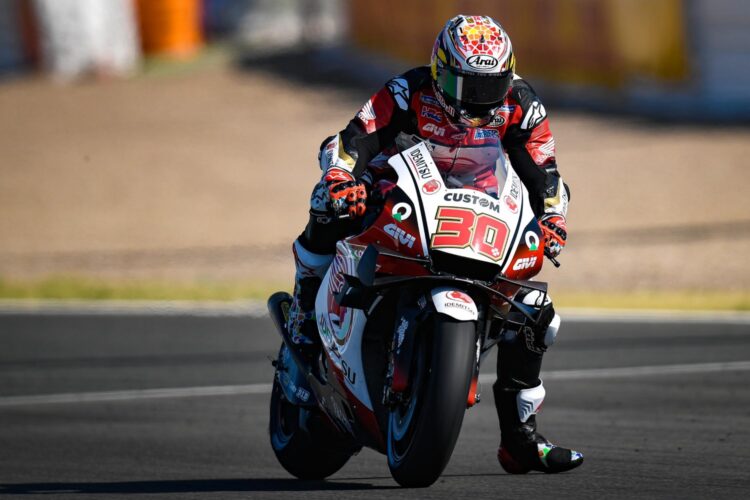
{"x":473,"y":88}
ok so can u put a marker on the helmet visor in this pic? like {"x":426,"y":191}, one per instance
{"x":473,"y":88}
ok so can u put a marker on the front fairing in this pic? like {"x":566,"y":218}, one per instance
{"x":471,"y":205}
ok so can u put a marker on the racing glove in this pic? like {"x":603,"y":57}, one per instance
{"x":555,"y":233}
{"x":347,"y":196}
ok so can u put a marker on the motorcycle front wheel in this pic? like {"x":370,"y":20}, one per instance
{"x":423,"y":431}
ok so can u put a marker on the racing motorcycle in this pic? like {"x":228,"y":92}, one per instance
{"x":406,"y":313}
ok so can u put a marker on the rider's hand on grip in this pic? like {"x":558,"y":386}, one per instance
{"x":348,"y":196}
{"x":555,"y":233}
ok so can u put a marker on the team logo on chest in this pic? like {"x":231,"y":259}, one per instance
{"x":432,"y":114}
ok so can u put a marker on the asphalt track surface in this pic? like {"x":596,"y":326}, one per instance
{"x":660,"y":410}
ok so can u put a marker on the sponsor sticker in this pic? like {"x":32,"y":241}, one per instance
{"x":460,"y":296}
{"x":420,"y":164}
{"x":434,"y":129}
{"x":532,"y":240}
{"x":367,"y":113}
{"x":302,"y":394}
{"x":497,"y":121}
{"x":534,"y":116}
{"x":485,"y":133}
{"x":399,"y":235}
{"x":400,"y":90}
{"x":401,"y":211}
{"x":431,"y":113}
{"x":525,"y":263}
{"x":482,"y":62}
{"x":515,"y":187}
{"x":428,"y":99}
{"x":511,"y":204}
{"x":431,"y":187}
{"x":473,"y":199}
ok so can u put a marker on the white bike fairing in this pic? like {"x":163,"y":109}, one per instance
{"x":420,"y":178}
{"x":341,"y":328}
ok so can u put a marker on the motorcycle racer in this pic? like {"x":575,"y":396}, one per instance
{"x":469,"y":92}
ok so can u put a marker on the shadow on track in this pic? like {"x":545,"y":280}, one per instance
{"x":185,"y":486}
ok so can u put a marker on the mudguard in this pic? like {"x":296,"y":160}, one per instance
{"x":454,"y":303}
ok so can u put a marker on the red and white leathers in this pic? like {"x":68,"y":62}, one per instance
{"x":409,"y":104}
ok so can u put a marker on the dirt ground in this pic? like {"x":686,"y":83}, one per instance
{"x":208,"y":175}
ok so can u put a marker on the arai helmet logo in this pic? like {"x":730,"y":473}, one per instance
{"x":481,"y":61}
{"x":430,"y":187}
{"x":401,"y":211}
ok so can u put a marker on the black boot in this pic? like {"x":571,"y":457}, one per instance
{"x":519,"y":394}
{"x":302,"y":326}
{"x":522,"y":448}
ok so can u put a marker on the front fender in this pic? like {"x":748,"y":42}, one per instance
{"x":454,"y":303}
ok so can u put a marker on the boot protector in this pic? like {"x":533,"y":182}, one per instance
{"x":310,"y":270}
{"x":302,"y":327}
{"x":522,"y":448}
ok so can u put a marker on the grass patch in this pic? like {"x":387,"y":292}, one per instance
{"x":65,"y":287}
{"x":70,"y":287}
{"x":678,"y":300}
{"x":210,"y":56}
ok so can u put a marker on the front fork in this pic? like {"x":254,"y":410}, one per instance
{"x":412,"y":311}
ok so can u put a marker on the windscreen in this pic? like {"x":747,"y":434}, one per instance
{"x":480,"y":167}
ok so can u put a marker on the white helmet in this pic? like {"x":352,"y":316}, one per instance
{"x":472,"y":68}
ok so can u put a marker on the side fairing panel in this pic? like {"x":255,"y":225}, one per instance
{"x":341,"y":328}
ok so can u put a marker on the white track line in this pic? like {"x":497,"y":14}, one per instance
{"x":176,"y":392}
{"x":230,"y":390}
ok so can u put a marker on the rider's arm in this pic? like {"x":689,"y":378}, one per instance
{"x":372,"y":129}
{"x":531,"y":149}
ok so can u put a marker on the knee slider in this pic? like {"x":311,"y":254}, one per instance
{"x":546,"y":335}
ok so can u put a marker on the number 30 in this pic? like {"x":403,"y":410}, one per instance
{"x":462,"y":227}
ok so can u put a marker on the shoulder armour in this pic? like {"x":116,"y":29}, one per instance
{"x":532,"y":107}
{"x":403,"y":86}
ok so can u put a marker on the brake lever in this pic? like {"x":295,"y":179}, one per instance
{"x":551,"y":258}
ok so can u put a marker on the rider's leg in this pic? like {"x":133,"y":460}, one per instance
{"x":519,"y":394}
{"x":313,"y":253}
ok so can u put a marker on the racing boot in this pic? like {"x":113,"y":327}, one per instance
{"x":522,"y":448}
{"x":519,"y":394}
{"x":310,"y":268}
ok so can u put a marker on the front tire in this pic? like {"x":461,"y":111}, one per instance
{"x":304,"y":443}
{"x":423,"y":432}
